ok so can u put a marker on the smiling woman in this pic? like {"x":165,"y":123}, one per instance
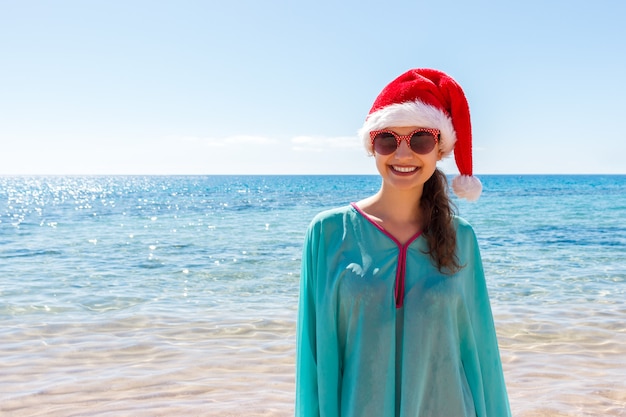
{"x":394,"y":315}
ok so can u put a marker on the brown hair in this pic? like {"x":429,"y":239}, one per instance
{"x":438,"y":211}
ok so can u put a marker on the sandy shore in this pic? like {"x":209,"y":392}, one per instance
{"x":162,"y":366}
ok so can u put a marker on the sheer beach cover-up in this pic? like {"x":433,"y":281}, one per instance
{"x":374,"y":341}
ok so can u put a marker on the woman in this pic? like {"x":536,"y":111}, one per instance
{"x":394,"y":316}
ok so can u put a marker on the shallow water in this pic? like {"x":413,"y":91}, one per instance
{"x":165,"y":296}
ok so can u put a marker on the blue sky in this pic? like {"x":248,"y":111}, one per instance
{"x":281,"y":87}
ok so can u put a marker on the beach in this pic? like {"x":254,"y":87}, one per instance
{"x":169,"y":296}
{"x":162,"y":366}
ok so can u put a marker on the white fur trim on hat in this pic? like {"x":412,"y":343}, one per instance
{"x":410,"y":113}
{"x":467,"y":187}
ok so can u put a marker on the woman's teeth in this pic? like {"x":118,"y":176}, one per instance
{"x":404,"y":169}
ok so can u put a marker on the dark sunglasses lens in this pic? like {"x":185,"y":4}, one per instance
{"x":385,"y":143}
{"x":422,"y":142}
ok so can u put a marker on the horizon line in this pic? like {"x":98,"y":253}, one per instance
{"x":297,"y":175}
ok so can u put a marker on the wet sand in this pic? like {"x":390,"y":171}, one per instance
{"x":166,"y":366}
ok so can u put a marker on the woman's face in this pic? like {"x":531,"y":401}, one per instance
{"x":405,"y":169}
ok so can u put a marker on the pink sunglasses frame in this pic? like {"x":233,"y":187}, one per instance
{"x":407,"y":138}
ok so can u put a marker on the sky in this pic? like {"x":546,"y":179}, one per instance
{"x":281,"y":87}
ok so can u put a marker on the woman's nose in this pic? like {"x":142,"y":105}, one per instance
{"x":404,"y":151}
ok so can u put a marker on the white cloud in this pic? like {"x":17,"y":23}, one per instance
{"x":231,"y":141}
{"x":321,"y":144}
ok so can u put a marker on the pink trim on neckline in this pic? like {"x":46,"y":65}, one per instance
{"x":382,"y":229}
{"x":402,"y":252}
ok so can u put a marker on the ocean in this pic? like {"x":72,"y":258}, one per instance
{"x":177,"y":295}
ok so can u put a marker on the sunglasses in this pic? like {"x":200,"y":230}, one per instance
{"x":421,"y":141}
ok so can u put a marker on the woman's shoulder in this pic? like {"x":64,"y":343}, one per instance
{"x":463,"y":228}
{"x":460,"y":222}
{"x":334,"y":214}
{"x":331,"y":221}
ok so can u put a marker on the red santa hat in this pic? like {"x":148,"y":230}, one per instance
{"x":429,"y":98}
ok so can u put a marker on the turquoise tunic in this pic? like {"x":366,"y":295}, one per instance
{"x":382,"y":333}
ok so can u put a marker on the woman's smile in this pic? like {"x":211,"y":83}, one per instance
{"x":400,"y":169}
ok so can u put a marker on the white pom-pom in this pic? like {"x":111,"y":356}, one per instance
{"x":468,"y":187}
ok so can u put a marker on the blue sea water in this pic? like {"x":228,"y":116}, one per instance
{"x":177,"y":295}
